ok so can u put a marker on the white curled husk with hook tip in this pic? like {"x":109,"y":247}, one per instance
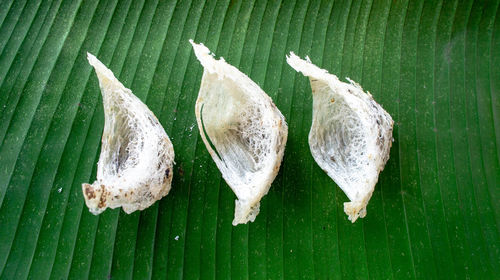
{"x":242,"y":129}
{"x":135,"y":164}
{"x":350,"y":136}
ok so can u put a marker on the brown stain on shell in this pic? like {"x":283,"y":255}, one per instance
{"x":102,"y":200}
{"x":89,"y":191}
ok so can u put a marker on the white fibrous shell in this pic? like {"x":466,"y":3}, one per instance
{"x":242,"y":129}
{"x":135,"y":164}
{"x":350,"y":136}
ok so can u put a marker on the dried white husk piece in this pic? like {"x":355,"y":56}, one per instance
{"x":242,"y":129}
{"x":350,"y":136}
{"x":135,"y":164}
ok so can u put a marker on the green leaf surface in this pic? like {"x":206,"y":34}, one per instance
{"x":433,"y":65}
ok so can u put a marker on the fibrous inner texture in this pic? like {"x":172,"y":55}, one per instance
{"x":123,"y":149}
{"x":237,"y":128}
{"x":120,"y":146}
{"x":338,"y":141}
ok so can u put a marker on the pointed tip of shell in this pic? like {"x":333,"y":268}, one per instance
{"x":102,"y":71}
{"x":295,"y":61}
{"x":91,"y":58}
{"x":199,"y":49}
{"x":207,"y":60}
{"x":203,"y":54}
{"x":104,"y":74}
{"x":97,"y":64}
{"x":306,"y":66}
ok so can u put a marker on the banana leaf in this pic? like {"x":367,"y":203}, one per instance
{"x":433,"y":65}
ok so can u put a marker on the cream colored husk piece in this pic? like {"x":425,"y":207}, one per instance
{"x":242,"y":129}
{"x":135,"y":164}
{"x":350,"y":136}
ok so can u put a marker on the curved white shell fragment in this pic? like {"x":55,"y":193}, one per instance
{"x":135,"y":164}
{"x":350,"y":136}
{"x":242,"y":129}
